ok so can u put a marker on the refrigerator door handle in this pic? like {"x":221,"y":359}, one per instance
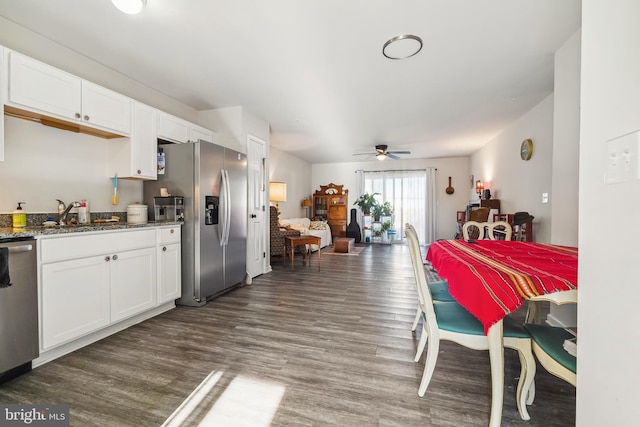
{"x":228,"y":208}
{"x":222,"y":208}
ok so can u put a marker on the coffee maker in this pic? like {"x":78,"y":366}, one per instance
{"x":168,"y":209}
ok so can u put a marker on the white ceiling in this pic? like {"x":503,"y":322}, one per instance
{"x":315,"y":70}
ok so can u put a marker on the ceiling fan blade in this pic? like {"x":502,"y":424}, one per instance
{"x":398,"y":152}
{"x":364,"y":154}
{"x":392,"y":156}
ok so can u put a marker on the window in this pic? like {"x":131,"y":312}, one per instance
{"x":406,"y":191}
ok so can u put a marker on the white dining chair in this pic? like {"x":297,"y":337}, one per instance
{"x":473,"y":230}
{"x":452,"y":322}
{"x":548,"y":346}
{"x":499,"y":230}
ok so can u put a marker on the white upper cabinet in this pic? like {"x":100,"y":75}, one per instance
{"x":176,"y":130}
{"x":105,"y":108}
{"x":173,"y":129}
{"x":3,"y":97}
{"x":198,"y":133}
{"x":41,"y":88}
{"x":136,"y":157}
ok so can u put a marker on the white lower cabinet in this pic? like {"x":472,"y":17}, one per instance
{"x":169,"y":264}
{"x":169,"y":279}
{"x":133,"y":282}
{"x":74,"y":299}
{"x":90,"y":281}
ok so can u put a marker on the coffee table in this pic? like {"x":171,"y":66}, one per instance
{"x":303,"y":240}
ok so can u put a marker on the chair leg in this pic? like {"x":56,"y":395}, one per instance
{"x":417,"y":319}
{"x":421,"y":344}
{"x":429,"y":364}
{"x":525,"y":383}
{"x":531,"y":394}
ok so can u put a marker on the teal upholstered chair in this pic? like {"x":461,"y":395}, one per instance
{"x":439,"y":293}
{"x":452,"y":322}
{"x":547,"y":342}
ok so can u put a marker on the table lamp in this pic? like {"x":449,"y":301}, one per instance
{"x":479,"y":188}
{"x":278,"y":193}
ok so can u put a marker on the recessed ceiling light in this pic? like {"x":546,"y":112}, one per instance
{"x":130,"y":6}
{"x":402,"y":47}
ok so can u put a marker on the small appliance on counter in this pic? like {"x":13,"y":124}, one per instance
{"x":168,"y":209}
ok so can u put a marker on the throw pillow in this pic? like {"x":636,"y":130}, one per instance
{"x":318,"y":225}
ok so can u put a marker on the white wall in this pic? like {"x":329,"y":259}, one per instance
{"x":517,"y":183}
{"x":455,"y":167}
{"x":232,"y":126}
{"x":284,"y":167}
{"x":43,"y":164}
{"x":566,"y":144}
{"x":608,"y":298}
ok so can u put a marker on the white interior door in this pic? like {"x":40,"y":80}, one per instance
{"x":257,"y":226}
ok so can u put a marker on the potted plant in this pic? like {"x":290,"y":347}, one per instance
{"x":380,"y":210}
{"x":366,"y":202}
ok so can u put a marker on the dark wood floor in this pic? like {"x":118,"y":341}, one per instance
{"x":301,"y":347}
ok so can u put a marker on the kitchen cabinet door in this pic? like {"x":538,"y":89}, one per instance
{"x":3,"y":99}
{"x":172,"y":128}
{"x":74,"y":299}
{"x":133,"y":282}
{"x":169,"y":272}
{"x":105,"y":108}
{"x":43,"y":88}
{"x":198,"y":133}
{"x":136,"y":156}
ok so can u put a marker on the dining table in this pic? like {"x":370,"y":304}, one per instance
{"x":493,"y":278}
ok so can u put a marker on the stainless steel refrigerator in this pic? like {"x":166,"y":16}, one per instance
{"x":213,"y":181}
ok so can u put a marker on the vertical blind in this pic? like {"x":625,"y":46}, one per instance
{"x":410,"y":193}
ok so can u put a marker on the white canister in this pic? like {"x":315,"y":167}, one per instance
{"x":137,"y":214}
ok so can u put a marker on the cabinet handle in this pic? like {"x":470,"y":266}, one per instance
{"x":253,"y":215}
{"x":107,"y":258}
{"x":172,"y":231}
{"x":86,"y":117}
{"x":164,"y":249}
{"x":139,"y":171}
{"x":78,"y":115}
{"x":115,"y":257}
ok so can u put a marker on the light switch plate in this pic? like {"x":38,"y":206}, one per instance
{"x":622,"y":158}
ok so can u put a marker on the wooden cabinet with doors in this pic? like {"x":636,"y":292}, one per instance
{"x":330,"y":204}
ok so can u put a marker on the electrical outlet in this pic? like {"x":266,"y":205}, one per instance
{"x":545,"y":197}
{"x":622,"y":158}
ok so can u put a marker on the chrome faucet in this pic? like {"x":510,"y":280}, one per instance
{"x":64,"y":210}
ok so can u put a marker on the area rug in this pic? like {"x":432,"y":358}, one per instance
{"x":355,"y":251}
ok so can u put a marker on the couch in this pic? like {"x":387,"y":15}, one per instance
{"x":277,"y":233}
{"x":306,"y":226}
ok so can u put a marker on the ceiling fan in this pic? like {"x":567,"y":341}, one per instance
{"x":381,"y":153}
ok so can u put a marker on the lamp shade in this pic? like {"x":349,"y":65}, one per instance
{"x":278,"y":191}
{"x":306,"y":203}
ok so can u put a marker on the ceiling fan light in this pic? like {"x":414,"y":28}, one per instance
{"x":381,"y":156}
{"x":130,"y":6}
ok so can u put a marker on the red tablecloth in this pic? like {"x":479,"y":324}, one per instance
{"x":492,"y":278}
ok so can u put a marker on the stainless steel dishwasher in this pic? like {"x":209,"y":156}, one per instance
{"x":18,"y":307}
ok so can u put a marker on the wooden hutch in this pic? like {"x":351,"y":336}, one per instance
{"x":330,"y":204}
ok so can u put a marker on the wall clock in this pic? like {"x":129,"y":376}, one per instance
{"x":526,"y":149}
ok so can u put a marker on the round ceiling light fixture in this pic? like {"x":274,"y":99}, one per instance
{"x":402,"y":47}
{"x":130,"y":6}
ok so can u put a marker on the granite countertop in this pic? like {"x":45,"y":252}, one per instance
{"x":11,"y":233}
